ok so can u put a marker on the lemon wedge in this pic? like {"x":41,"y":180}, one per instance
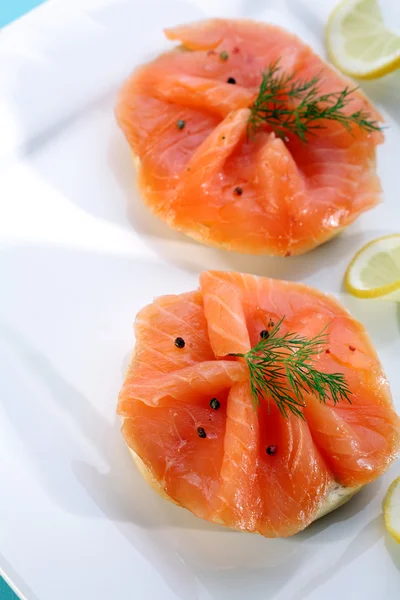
{"x":358,"y":41}
{"x":391,"y":509}
{"x":374,"y":271}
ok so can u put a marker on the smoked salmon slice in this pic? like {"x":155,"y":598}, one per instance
{"x":185,"y":116}
{"x":191,"y":422}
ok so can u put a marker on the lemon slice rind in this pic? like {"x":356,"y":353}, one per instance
{"x":358,"y":24}
{"x":353,"y":281}
{"x":391,"y":509}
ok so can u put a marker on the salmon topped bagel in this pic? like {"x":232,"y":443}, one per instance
{"x":256,"y":403}
{"x":246,"y":140}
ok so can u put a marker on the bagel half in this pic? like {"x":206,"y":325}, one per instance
{"x":337,"y":496}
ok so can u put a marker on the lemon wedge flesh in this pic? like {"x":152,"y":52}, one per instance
{"x":391,"y":509}
{"x":358,"y":41}
{"x":374,"y":271}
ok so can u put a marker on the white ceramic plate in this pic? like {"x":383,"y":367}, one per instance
{"x":77,"y":520}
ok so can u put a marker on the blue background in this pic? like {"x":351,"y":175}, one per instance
{"x":5,"y":592}
{"x":9,"y":11}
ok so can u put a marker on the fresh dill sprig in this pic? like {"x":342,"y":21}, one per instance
{"x":290,"y":105}
{"x":282,"y":368}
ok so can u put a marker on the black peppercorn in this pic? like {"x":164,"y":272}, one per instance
{"x":180,"y":342}
{"x":215,"y":404}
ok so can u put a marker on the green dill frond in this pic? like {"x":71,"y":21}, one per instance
{"x":290,"y":105}
{"x":281,"y":368}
